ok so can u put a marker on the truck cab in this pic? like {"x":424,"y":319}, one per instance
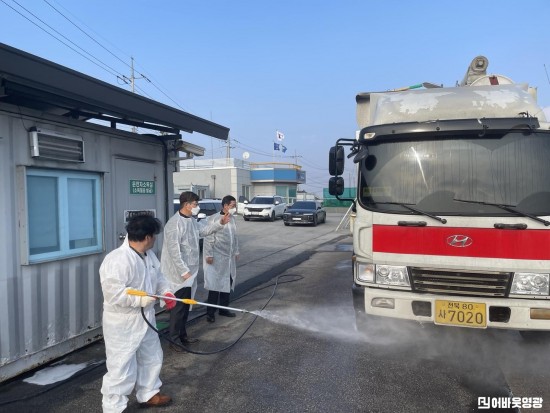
{"x":452,"y":215}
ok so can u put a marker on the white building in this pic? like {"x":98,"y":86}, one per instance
{"x":241,"y":179}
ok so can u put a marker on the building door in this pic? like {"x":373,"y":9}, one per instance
{"x":138,"y":188}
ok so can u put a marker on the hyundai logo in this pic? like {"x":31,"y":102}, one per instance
{"x":460,"y":241}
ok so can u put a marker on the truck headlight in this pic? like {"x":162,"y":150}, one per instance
{"x":392,"y":275}
{"x":364,"y":272}
{"x":529,"y":283}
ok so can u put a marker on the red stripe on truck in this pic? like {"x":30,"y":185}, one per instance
{"x":483,"y":242}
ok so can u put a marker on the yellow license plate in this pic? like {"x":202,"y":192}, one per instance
{"x":461,"y":313}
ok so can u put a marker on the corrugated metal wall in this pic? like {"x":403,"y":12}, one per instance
{"x":51,"y":308}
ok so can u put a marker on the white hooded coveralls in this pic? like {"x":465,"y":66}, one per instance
{"x":223,"y":247}
{"x":134,"y":353}
{"x":180,"y":249}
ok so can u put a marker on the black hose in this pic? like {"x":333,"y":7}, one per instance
{"x":206,"y":353}
{"x":96,"y":364}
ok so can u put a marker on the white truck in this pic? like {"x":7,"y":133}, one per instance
{"x":451,"y":224}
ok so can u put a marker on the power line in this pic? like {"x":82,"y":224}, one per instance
{"x":94,"y":40}
{"x":112,"y":71}
{"x":99,"y":63}
{"x":114,"y":55}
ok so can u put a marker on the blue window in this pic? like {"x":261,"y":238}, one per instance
{"x":64,"y":214}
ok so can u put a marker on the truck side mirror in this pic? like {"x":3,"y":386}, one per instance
{"x":336,"y":160}
{"x":336,"y":185}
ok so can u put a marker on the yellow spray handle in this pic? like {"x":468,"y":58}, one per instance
{"x":145,"y":293}
{"x":137,"y":292}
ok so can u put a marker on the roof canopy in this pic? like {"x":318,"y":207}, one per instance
{"x":30,"y":81}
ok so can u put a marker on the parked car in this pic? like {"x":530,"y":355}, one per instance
{"x":208,"y":206}
{"x":241,"y":204}
{"x":305,"y":212}
{"x":264,"y":207}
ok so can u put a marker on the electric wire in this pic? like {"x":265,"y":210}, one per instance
{"x":112,"y":71}
{"x":98,"y":62}
{"x":126,"y":80}
{"x":94,"y":40}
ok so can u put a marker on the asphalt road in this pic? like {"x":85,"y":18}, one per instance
{"x":303,"y":354}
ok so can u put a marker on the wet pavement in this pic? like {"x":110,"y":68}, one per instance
{"x":262,"y":258}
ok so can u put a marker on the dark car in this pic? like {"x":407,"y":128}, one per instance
{"x":208,"y":206}
{"x":305,"y":212}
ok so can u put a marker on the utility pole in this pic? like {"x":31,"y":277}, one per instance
{"x":296,"y":156}
{"x":133,"y":83}
{"x":228,"y":148}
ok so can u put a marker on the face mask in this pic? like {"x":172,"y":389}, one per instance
{"x":232,"y":211}
{"x":195,"y":210}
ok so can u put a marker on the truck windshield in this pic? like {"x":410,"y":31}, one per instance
{"x":512,"y":169}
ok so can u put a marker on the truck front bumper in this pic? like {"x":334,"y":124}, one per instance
{"x":505,"y":313}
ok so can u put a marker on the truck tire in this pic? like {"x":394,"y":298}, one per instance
{"x":272,"y":218}
{"x":315,"y":220}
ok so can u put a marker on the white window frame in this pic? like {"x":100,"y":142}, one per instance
{"x":63,"y":200}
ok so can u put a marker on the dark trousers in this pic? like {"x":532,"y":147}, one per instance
{"x":216,"y":297}
{"x":179,"y":315}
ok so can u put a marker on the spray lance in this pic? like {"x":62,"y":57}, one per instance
{"x":191,"y":301}
{"x":185,"y":301}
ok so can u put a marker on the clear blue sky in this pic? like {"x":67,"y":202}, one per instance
{"x":290,"y":65}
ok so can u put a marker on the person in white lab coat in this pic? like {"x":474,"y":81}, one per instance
{"x":180,"y":259}
{"x":220,"y":252}
{"x":134,"y":354}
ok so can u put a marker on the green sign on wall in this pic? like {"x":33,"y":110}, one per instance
{"x":139,"y":187}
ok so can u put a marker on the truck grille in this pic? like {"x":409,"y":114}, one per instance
{"x":470,"y":283}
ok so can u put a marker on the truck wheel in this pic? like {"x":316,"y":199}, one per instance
{"x":272,"y":218}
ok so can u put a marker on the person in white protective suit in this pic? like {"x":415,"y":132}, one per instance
{"x":180,"y":260}
{"x":220,"y":252}
{"x":133,"y":350}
